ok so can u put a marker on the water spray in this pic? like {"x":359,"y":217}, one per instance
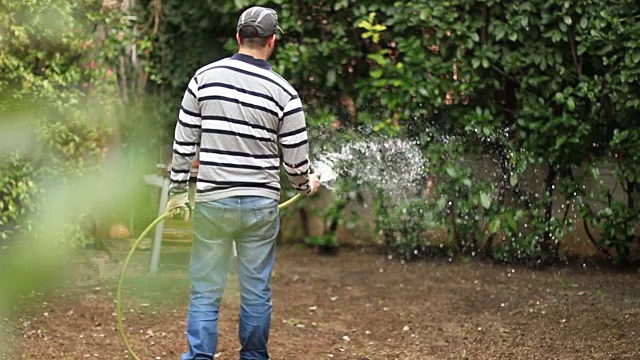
{"x":394,"y":166}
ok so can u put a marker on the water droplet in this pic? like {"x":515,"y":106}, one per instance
{"x":395,"y":166}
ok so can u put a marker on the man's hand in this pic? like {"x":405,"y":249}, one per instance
{"x":314,"y":183}
{"x":178,"y":205}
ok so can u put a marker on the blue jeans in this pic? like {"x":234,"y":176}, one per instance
{"x":253,"y":223}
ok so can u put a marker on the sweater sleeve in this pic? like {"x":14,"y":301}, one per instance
{"x":295,"y":148}
{"x":186,"y":139}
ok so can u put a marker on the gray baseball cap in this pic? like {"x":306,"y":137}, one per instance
{"x":258,"y":22}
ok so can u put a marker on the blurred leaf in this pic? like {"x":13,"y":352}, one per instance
{"x":494,"y":226}
{"x":485,"y":200}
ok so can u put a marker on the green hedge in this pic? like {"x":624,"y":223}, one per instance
{"x":547,"y":88}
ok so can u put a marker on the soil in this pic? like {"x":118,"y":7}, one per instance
{"x":358,"y":304}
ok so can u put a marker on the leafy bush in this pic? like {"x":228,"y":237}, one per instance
{"x":58,"y":91}
{"x":617,"y":217}
{"x":539,"y":87}
{"x":546,"y":85}
{"x":412,"y":229}
{"x":18,"y":196}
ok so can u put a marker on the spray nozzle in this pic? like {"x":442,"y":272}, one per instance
{"x":328,"y":176}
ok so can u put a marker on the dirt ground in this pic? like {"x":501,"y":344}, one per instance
{"x":356,"y":305}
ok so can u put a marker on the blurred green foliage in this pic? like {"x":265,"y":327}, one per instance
{"x":48,"y":69}
{"x":18,"y":196}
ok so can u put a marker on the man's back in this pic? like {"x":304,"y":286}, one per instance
{"x":242,"y":109}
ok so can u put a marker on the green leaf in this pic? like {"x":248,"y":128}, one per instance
{"x":500,"y":33}
{"x":331,"y":77}
{"x":581,"y":49}
{"x":451,"y":172}
{"x":511,"y":224}
{"x":340,"y":4}
{"x":494,"y":226}
{"x":364,"y":24}
{"x":485,"y":200}
{"x":605,"y":50}
{"x":633,"y":103}
{"x":561,"y":140}
{"x":567,"y":19}
{"x":620,"y":136}
{"x":584,"y":22}
{"x":372,"y":16}
{"x":558,"y":58}
{"x":571,"y":105}
{"x":475,"y":63}
{"x":513,"y":180}
{"x":562,"y":27}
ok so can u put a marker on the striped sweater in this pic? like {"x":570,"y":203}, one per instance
{"x":237,"y":110}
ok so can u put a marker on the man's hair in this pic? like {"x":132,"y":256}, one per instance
{"x":255,"y":43}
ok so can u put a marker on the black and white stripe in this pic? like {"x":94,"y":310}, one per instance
{"x":238,"y":111}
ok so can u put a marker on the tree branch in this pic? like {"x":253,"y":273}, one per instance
{"x":483,"y":33}
{"x":622,"y":182}
{"x":593,"y":239}
{"x":574,"y":55}
{"x":505,"y":109}
{"x":157,"y":15}
{"x":503,"y":73}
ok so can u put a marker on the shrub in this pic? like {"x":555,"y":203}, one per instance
{"x":58,"y":92}
{"x":18,"y":196}
{"x":616,"y":216}
{"x":412,"y":229}
{"x":532,"y":85}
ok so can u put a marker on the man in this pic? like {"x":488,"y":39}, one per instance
{"x":238,"y":110}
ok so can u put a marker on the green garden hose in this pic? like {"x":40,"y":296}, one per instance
{"x":153,"y":224}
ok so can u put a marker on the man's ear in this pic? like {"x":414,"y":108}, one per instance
{"x":272,"y":41}
{"x":238,"y":39}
